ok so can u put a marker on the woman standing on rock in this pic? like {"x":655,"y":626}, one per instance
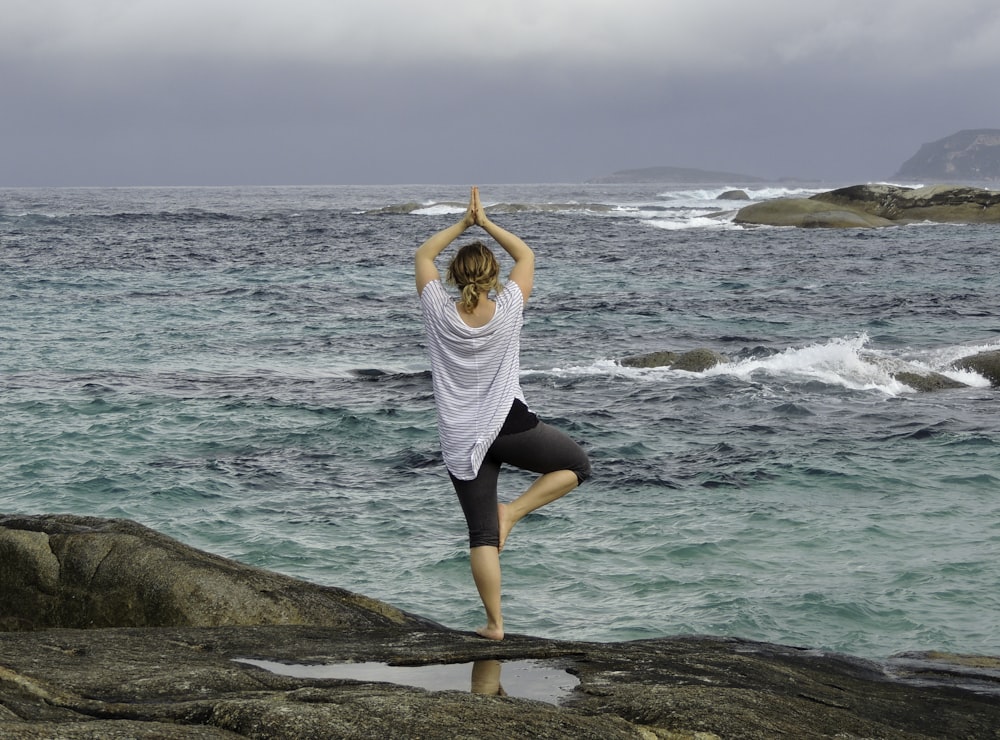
{"x":483,"y":419}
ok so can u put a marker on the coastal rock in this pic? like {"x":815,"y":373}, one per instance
{"x":940,"y":203}
{"x":868,"y":206}
{"x":968,"y":155}
{"x":663,"y":358}
{"x":192,"y":682}
{"x":81,"y":572}
{"x":695,"y":361}
{"x":927,"y":381}
{"x":986,"y":364}
{"x":806,"y":213}
{"x":733,"y":195}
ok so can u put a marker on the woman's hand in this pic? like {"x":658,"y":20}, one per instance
{"x":470,"y":213}
{"x":478,"y":210}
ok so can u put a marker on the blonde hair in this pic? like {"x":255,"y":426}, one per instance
{"x":474,"y":270}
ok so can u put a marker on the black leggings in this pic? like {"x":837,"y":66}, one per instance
{"x":541,"y":449}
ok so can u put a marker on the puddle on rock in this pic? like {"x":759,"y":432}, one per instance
{"x":525,"y":679}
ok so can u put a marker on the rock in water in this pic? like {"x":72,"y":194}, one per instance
{"x":986,"y":364}
{"x":733,"y":195}
{"x":867,"y":206}
{"x":695,"y":360}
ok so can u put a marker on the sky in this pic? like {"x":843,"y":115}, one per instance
{"x":308,"y":92}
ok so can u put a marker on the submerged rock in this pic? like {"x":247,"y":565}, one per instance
{"x":188,"y":682}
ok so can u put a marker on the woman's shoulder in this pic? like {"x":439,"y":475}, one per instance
{"x":511,"y":292}
{"x":434,"y":292}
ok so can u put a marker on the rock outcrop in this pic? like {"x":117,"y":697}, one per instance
{"x":869,"y":206}
{"x":971,"y":155}
{"x":191,"y":682}
{"x":82,"y":573}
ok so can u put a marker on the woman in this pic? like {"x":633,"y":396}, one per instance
{"x":483,"y":419}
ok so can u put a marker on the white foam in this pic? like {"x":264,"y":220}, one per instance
{"x":844,"y":362}
{"x":439,"y":209}
{"x":836,"y":362}
{"x":694,"y":222}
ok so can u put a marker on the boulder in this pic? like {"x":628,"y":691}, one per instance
{"x":195,"y":682}
{"x":695,"y":360}
{"x":698,"y":360}
{"x":986,"y":364}
{"x":733,"y":195}
{"x":806,"y":213}
{"x":663,"y":358}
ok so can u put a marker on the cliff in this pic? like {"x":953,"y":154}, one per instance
{"x":971,"y":155}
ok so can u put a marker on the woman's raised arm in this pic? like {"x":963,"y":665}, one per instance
{"x":423,"y":261}
{"x":523,"y":272}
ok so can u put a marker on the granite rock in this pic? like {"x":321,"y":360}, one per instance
{"x":187,"y":681}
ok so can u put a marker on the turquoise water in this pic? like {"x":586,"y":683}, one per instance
{"x":243,"y":369}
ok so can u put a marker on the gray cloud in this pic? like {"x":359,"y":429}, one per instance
{"x":306,"y":91}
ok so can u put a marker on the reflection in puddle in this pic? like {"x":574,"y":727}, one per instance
{"x":526,"y":679}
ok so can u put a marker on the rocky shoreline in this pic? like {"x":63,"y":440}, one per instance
{"x":114,"y":631}
{"x":877,"y":205}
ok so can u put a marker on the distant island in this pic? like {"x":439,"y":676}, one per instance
{"x":971,"y":155}
{"x":682,"y":175}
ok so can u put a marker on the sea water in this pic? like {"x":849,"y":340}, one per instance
{"x":244,"y":369}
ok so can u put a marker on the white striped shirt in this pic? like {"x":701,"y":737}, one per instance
{"x":475,"y":373}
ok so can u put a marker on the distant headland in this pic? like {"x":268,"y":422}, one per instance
{"x":681,"y":175}
{"x":967,"y":156}
{"x":971,"y":155}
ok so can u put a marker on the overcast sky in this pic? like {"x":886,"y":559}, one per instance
{"x":217,"y":92}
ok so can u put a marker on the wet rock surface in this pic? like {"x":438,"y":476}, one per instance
{"x":166,"y":682}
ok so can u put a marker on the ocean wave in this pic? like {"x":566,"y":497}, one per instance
{"x":844,"y":362}
{"x":454,"y":207}
{"x":762,"y":193}
{"x":673,"y":210}
{"x":720,"y":221}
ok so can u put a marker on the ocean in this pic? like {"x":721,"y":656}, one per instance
{"x":243,"y":369}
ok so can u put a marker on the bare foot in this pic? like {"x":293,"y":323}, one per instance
{"x":505,"y":524}
{"x":490,"y":633}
